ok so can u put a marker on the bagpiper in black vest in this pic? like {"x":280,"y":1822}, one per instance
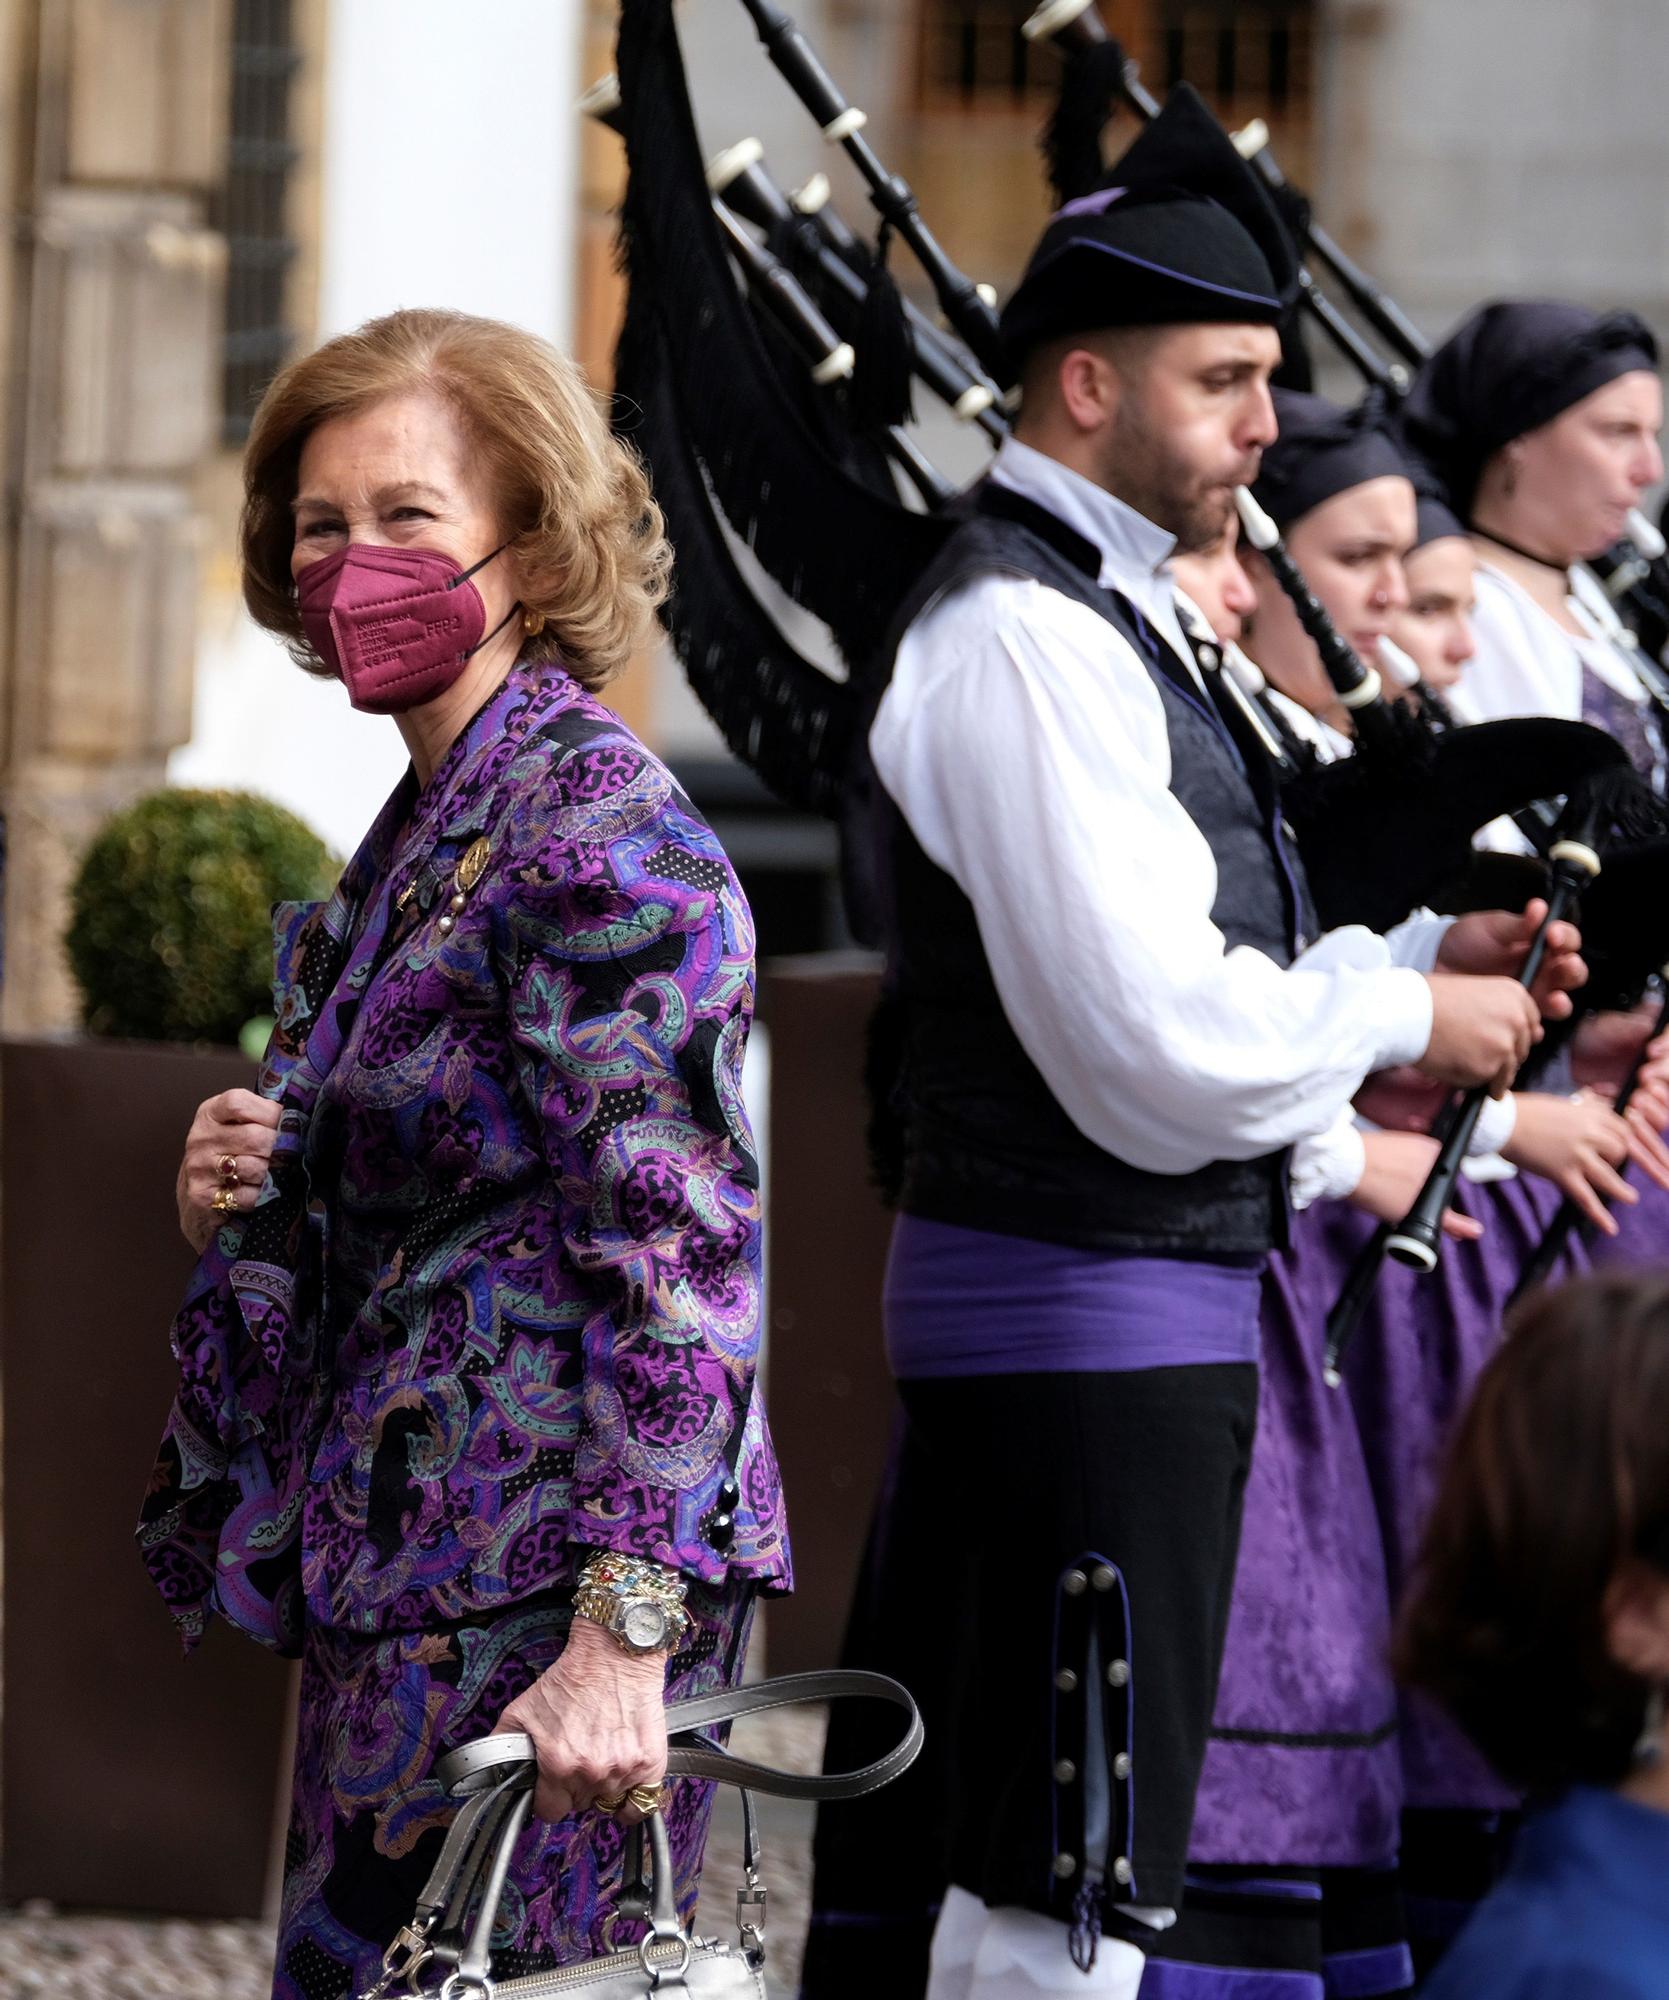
{"x":985,"y":1143}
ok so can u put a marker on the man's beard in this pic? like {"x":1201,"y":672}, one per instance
{"x":1146,"y":475}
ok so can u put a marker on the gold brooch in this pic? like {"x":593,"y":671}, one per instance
{"x":464,"y":878}
{"x":474,"y":865}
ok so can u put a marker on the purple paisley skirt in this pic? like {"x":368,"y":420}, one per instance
{"x":367,"y":1818}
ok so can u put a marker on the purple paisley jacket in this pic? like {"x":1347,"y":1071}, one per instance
{"x":499,"y":1302}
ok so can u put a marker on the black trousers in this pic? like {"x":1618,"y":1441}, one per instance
{"x":1034,"y":1488}
{"x":880,"y":1864}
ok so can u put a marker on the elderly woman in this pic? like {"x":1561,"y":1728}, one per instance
{"x":467,"y":1412}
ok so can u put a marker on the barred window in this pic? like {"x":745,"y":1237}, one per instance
{"x":252,"y":209}
{"x":1239,"y":56}
{"x":1245,"y":57}
{"x":972,"y":52}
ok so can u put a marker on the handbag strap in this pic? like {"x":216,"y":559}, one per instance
{"x":690,"y":1755}
{"x":488,"y":1775}
{"x":477,"y":1765}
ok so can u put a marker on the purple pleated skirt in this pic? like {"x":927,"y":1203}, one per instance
{"x":1302,"y":1765}
{"x":1421,"y":1346}
{"x":1642,"y":1231}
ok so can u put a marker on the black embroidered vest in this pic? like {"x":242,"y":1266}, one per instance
{"x":985,"y":1143}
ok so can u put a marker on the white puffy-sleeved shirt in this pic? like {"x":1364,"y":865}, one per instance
{"x":1023,"y":740}
{"x":1330,"y":1165}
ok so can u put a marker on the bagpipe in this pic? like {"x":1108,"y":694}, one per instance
{"x":766,"y":368}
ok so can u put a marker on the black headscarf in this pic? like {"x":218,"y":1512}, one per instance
{"x":1322,"y":450}
{"x":1182,"y":230}
{"x":1435,"y":519}
{"x":1508,"y":369}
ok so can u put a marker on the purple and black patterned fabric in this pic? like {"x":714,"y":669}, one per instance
{"x":1632,"y":723}
{"x":367,"y":1819}
{"x":499,"y":1302}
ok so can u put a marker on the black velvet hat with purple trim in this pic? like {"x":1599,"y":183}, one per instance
{"x":1181,"y":231}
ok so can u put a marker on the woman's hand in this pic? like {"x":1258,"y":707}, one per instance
{"x":237,"y":1125}
{"x":1605,"y":1046}
{"x":1579,"y":1143}
{"x":1650,"y":1102}
{"x":598,"y":1722}
{"x":1605,"y":1049}
{"x":1395,"y":1170}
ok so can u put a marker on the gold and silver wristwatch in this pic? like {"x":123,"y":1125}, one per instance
{"x":639,"y":1602}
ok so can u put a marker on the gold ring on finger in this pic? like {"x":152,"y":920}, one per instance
{"x":647,"y":1798}
{"x":609,"y":1802}
{"x":229,"y":1169}
{"x":224,"y":1201}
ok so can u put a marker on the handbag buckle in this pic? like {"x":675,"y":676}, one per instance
{"x":404,"y":1959}
{"x":465,"y":1982}
{"x":750,"y":1916}
{"x":662,"y":1967}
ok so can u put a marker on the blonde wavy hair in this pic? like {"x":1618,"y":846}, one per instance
{"x":574,"y":500}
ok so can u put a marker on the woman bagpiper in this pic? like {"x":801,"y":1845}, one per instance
{"x":1540,"y":419}
{"x":467,"y":1413}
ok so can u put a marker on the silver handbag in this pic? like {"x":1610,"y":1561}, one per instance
{"x":444,"y":1953}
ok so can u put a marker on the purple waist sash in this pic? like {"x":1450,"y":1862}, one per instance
{"x":970,"y":1302}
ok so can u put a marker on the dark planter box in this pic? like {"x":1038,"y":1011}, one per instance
{"x":831,"y":1399}
{"x":130,"y":1778}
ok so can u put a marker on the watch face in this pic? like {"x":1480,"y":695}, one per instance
{"x":643,"y":1626}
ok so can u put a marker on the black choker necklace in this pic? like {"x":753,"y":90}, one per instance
{"x":1518,"y":549}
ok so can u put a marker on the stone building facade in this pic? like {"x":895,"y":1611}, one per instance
{"x":110,"y":293}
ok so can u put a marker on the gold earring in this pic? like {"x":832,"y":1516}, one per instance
{"x":533,"y":623}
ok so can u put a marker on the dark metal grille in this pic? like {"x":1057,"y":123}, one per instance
{"x":973,"y":52}
{"x":1256,"y":56}
{"x":252,"y":210}
{"x":1252,"y":54}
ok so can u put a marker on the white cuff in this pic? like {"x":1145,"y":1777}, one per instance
{"x":1496,"y":1124}
{"x":1329,"y":1166}
{"x":1416,"y":941}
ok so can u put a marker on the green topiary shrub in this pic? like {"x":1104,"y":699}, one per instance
{"x":170,"y":934}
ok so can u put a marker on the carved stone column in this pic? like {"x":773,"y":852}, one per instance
{"x":114,"y":329}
